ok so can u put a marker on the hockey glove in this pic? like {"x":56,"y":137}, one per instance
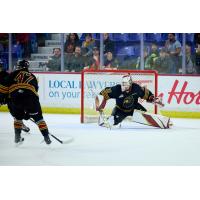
{"x":156,"y":100}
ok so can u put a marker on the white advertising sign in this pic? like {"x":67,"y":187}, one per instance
{"x":59,"y":90}
{"x":180,"y":93}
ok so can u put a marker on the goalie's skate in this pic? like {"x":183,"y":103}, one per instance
{"x":106,"y":124}
{"x":105,"y":121}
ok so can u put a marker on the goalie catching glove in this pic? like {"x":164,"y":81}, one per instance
{"x":156,"y":100}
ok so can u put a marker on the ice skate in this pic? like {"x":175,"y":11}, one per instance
{"x":18,"y":139}
{"x":106,"y":121}
{"x":47,"y":139}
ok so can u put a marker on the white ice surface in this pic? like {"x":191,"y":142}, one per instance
{"x":133,"y":144}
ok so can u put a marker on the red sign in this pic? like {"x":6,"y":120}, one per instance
{"x":182,"y":95}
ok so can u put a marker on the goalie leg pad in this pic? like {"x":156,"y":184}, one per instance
{"x":149,"y":119}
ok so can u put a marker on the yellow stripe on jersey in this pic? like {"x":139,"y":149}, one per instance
{"x":22,"y":86}
{"x":146,"y":93}
{"x":3,"y":89}
{"x":105,"y":92}
{"x":128,"y":110}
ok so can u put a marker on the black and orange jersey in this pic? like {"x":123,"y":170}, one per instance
{"x":4,"y":82}
{"x":23,"y":80}
{"x":126,"y":101}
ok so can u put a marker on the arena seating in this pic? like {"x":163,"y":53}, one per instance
{"x":126,"y":44}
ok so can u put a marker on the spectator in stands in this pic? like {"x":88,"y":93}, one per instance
{"x":69,"y":49}
{"x":23,"y":39}
{"x":173,"y":48}
{"x":84,"y":52}
{"x":88,"y":43}
{"x":128,"y":63}
{"x":71,"y":42}
{"x":152,"y":57}
{"x":4,"y":41}
{"x":189,"y":60}
{"x":145,"y":60}
{"x":108,"y":44}
{"x":40,"y":39}
{"x":197,"y":52}
{"x":196,"y":39}
{"x":197,"y":59}
{"x":33,"y":42}
{"x":77,"y":61}
{"x":54,"y":63}
{"x":110,"y":62}
{"x":1,"y":48}
{"x":162,"y":64}
{"x":17,"y":51}
{"x":93,"y":62}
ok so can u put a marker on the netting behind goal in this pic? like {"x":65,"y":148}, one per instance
{"x":95,"y":81}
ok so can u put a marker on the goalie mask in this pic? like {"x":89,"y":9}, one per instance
{"x":22,"y":64}
{"x":126,"y":83}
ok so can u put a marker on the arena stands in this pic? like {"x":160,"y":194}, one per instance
{"x":125,"y":48}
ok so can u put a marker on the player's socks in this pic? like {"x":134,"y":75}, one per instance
{"x":44,"y":130}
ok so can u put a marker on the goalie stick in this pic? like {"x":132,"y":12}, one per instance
{"x":57,"y":139}
{"x":103,"y":120}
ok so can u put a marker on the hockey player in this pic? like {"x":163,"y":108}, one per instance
{"x":126,"y":95}
{"x":4,"y":92}
{"x":24,"y":100}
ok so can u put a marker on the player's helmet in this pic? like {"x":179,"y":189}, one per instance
{"x":126,"y":82}
{"x":22,"y":64}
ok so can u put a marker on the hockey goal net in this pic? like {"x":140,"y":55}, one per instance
{"x":95,"y":81}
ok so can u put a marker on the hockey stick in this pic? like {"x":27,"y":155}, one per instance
{"x":103,"y":119}
{"x":53,"y":136}
{"x":101,"y":115}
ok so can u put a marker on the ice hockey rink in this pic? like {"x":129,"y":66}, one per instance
{"x":131,"y":145}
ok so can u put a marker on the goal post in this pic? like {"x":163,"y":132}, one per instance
{"x":92,"y":82}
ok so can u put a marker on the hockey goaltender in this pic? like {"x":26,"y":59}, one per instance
{"x":126,"y":95}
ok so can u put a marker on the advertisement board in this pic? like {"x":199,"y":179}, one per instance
{"x":63,"y":90}
{"x":59,"y":90}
